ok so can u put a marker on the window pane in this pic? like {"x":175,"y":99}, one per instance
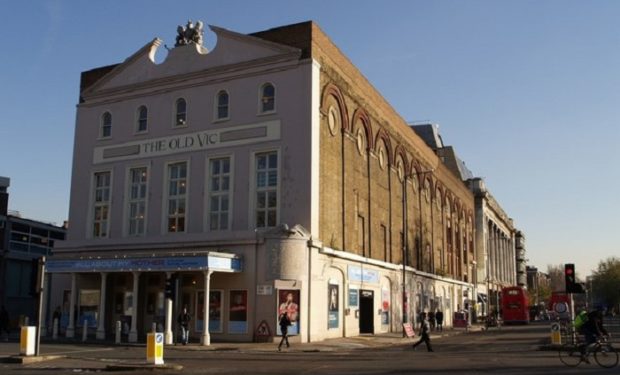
{"x":273,"y":200}
{"x":215,"y":204}
{"x":260,"y":219}
{"x":224,"y":220}
{"x":225,"y":166}
{"x":271,"y":218}
{"x":261,"y":162}
{"x":273,"y":178}
{"x":214,"y":222}
{"x":261,"y":179}
{"x":222,"y":112}
{"x":181,"y":224}
{"x":225,"y":183}
{"x":181,"y":206}
{"x":224,"y":205}
{"x":215,"y":167}
{"x":273,"y":160}
{"x":215,"y":184}
{"x":260,"y":200}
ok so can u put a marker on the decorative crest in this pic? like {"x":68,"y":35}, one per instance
{"x":189,"y":34}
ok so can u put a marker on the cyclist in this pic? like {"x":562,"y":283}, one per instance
{"x":592,"y":329}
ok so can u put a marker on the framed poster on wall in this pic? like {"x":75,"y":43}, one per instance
{"x":332,"y":306}
{"x":238,"y":312}
{"x":288,"y":302}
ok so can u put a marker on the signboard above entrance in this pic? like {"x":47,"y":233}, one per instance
{"x":174,"y":263}
{"x":357,"y":274}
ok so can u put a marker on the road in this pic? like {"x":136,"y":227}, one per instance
{"x":511,"y":350}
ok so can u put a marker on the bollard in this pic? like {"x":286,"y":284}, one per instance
{"x":155,"y":348}
{"x":27,"y":339}
{"x":556,"y":334}
{"x":154,"y":327}
{"x":55,"y":329}
{"x":117,"y":339}
{"x":84,"y":330}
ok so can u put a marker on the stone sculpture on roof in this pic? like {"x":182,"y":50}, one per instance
{"x":189,"y":34}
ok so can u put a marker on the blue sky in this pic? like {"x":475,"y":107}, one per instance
{"x":528,"y":92}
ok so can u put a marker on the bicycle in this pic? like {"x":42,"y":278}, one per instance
{"x":605,"y":354}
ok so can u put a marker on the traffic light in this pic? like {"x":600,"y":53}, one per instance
{"x":171,"y":287}
{"x":572,"y":286}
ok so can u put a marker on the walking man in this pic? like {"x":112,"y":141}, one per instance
{"x":183,"y":320}
{"x":284,"y":322}
{"x":424,"y":335}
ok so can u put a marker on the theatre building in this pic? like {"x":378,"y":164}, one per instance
{"x":266,"y":175}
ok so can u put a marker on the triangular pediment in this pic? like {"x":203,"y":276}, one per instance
{"x":231,"y":49}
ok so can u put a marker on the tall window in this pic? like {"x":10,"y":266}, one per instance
{"x":266,"y":189}
{"x":222,"y":105}
{"x":219,"y":193}
{"x":142,"y":124}
{"x":177,"y":194}
{"x":181,"y":112}
{"x":268,"y":98}
{"x":137,"y":201}
{"x":383,"y":233}
{"x":106,"y":125}
{"x":101,"y":209}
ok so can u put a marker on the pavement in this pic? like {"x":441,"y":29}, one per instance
{"x":94,"y":355}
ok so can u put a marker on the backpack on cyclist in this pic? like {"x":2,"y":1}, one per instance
{"x":580,"y":320}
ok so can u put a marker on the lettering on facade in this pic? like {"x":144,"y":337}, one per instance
{"x":235,"y":136}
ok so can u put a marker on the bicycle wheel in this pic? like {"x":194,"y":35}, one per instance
{"x":570,"y":355}
{"x":606,"y":356}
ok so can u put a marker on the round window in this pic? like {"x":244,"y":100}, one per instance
{"x":332,"y":120}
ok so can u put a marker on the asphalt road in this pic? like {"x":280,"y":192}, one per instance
{"x":511,"y":350}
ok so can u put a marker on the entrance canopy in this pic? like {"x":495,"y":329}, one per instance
{"x":221,"y":262}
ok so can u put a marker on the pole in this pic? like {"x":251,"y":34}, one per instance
{"x":404,"y":251}
{"x":40,"y":282}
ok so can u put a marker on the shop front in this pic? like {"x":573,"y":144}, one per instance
{"x":143,"y":292}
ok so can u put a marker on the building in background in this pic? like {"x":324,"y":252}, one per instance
{"x":266,"y":175}
{"x":21,"y":241}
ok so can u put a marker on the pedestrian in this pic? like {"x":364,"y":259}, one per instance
{"x":431,"y":319}
{"x":4,"y":323}
{"x":284,"y":322}
{"x":183,"y":320}
{"x":439,"y":318}
{"x":424,"y":335}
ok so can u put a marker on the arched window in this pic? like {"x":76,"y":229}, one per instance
{"x":106,"y":125}
{"x":142,"y":119}
{"x":222,"y":105}
{"x":181,"y":112}
{"x":268,"y":98}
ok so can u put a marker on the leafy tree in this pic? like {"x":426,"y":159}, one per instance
{"x":556,"y":275}
{"x":606,"y":282}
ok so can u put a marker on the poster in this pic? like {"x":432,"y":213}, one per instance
{"x":385,"y":306}
{"x":238,"y":312}
{"x":215,"y":311}
{"x":288,"y":302}
{"x":353,"y":297}
{"x":332,"y":306}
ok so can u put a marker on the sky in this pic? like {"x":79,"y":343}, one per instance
{"x":528,"y":93}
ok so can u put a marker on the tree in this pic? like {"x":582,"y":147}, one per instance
{"x":556,"y":275}
{"x":606,"y":281}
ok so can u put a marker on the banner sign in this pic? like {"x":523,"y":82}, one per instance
{"x":196,"y":263}
{"x":357,"y":274}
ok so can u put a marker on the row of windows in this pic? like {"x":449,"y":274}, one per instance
{"x":175,"y":204}
{"x":267,"y":104}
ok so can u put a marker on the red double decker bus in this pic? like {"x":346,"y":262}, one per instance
{"x":515,"y":307}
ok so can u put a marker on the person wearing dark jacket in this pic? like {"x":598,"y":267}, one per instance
{"x":592,"y":330}
{"x":439,"y":318}
{"x":284,"y":322}
{"x":183,"y":320}
{"x":424,"y":335}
